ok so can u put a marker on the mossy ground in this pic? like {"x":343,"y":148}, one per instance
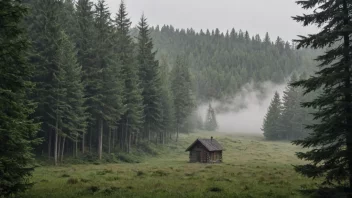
{"x":252,"y":167}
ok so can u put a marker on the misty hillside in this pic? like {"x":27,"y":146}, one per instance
{"x":222,"y":63}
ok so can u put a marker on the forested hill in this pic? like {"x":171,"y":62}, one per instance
{"x":222,"y":63}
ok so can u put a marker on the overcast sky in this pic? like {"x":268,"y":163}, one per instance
{"x":256,"y":16}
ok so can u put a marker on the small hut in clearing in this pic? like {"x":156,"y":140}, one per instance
{"x":205,"y":151}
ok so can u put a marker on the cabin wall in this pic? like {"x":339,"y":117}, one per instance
{"x":216,"y":156}
{"x":199,"y":154}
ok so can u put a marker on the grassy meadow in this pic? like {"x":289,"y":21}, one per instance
{"x":252,"y":167}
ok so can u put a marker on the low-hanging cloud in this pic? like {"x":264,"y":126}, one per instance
{"x":245,"y":112}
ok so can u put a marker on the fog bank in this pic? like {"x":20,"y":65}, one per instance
{"x":246,"y":110}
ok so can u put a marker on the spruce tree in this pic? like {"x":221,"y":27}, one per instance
{"x":331,"y":139}
{"x":107,"y":86}
{"x":45,"y":32}
{"x":74,"y":116}
{"x":85,"y":35}
{"x":272,"y":119}
{"x":168,"y":111}
{"x":149,"y":75}
{"x":17,"y":130}
{"x":182,"y":92}
{"x":132,"y":119}
{"x":290,"y":111}
{"x":210,"y":123}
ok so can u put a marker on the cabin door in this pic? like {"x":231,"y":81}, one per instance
{"x":198,"y":156}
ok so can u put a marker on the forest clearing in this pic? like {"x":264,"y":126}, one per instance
{"x":252,"y":167}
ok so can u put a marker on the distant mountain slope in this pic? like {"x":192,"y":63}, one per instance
{"x":223,"y":63}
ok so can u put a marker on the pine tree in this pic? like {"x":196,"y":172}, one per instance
{"x":149,"y":75}
{"x":107,"y":85}
{"x":210,"y":123}
{"x":133,"y":118}
{"x":331,"y":139}
{"x":73,"y":116}
{"x":85,"y":54}
{"x":290,"y":111}
{"x":182,"y":92}
{"x":168,"y":111}
{"x":45,"y":32}
{"x":17,"y":130}
{"x":272,"y":119}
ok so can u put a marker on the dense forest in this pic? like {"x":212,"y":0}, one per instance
{"x":104,"y":87}
{"x":78,"y":80}
{"x":98,"y":89}
{"x":221,"y":63}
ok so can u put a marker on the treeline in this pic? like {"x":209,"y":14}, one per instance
{"x":222,"y":63}
{"x":286,"y":119}
{"x":98,"y":89}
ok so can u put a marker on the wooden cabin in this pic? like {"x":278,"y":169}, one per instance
{"x":205,"y":151}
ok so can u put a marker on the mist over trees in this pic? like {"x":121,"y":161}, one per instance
{"x":286,"y":119}
{"x":221,"y":63}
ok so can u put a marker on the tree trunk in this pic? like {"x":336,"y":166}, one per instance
{"x":59,"y":148}
{"x":49,"y":144}
{"x":76,"y":148}
{"x":109,"y":139}
{"x":56,"y":141}
{"x":156,"y":138}
{"x":148,"y":128}
{"x":113,"y":139}
{"x":177,"y":133}
{"x":63,"y":149}
{"x":163,"y":140}
{"x":100,"y":146}
{"x":90,"y":139}
{"x":126,"y":137}
{"x":83,"y":141}
{"x":121,"y":135}
{"x":136,"y":139}
{"x":129,"y":142}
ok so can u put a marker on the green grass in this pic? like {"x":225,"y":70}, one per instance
{"x":252,"y":167}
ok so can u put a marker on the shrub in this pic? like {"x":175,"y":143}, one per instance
{"x":65,"y":175}
{"x":93,"y":189}
{"x":140,"y":173}
{"x":72,"y":181}
{"x":215,"y":189}
{"x":104,"y":172}
{"x":159,"y":173}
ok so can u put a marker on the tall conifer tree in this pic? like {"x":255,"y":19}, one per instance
{"x":182,"y":92}
{"x":133,"y":118}
{"x":290,"y":111}
{"x":85,"y":36}
{"x":272,"y":119}
{"x":149,"y":74}
{"x":17,"y":130}
{"x":331,"y":139}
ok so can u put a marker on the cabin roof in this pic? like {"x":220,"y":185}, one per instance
{"x":209,"y":144}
